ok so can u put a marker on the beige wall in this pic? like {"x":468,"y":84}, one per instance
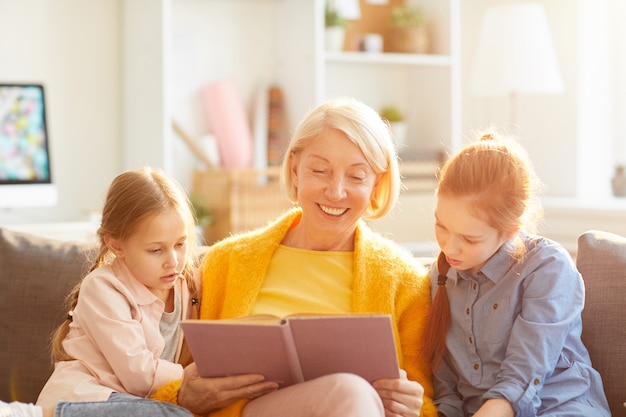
{"x":73,"y":48}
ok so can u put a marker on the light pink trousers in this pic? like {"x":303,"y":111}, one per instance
{"x":336,"y":395}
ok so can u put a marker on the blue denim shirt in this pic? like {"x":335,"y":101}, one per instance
{"x":515,"y":334}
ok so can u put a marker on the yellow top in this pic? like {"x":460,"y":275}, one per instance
{"x":302,"y":280}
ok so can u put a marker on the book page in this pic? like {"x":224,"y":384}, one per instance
{"x":359,"y":344}
{"x":255,"y":318}
{"x":220,"y":348}
{"x":271,"y":319}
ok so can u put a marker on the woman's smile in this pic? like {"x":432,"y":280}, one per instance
{"x":333,"y":211}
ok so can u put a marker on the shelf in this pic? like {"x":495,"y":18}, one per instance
{"x":387,"y":58}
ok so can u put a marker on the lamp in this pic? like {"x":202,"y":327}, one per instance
{"x":515,"y":55}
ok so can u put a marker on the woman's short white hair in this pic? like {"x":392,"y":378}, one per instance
{"x":364,"y":127}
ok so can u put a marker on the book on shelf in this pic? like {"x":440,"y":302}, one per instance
{"x":296,"y":348}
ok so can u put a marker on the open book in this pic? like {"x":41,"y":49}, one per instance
{"x":296,"y":348}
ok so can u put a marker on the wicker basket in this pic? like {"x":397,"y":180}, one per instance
{"x":241,"y":200}
{"x":410,"y":40}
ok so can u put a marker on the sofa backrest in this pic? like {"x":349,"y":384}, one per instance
{"x":601,"y":259}
{"x":36,"y":274}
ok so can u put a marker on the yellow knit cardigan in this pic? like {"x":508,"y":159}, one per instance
{"x":386,"y":280}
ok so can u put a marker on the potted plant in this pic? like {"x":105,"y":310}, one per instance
{"x":409,"y":30}
{"x":397,"y":125}
{"x":204,"y":215}
{"x":335,"y":29}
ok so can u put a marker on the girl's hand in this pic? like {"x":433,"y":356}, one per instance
{"x":495,"y":407}
{"x":401,"y":397}
{"x":202,"y":395}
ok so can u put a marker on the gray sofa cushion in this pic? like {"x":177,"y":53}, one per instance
{"x":601,"y":260}
{"x":36,"y":274}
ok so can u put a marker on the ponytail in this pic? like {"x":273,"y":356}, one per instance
{"x":439,"y":318}
{"x":57,"y":352}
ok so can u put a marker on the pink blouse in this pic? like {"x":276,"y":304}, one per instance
{"x":115,"y":340}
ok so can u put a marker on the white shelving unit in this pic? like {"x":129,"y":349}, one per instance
{"x":426,"y":87}
{"x":277,"y":41}
{"x":389,"y":58}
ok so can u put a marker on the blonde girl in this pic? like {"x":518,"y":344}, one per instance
{"x":122,"y":340}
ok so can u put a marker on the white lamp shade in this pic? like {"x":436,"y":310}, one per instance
{"x":515,"y":53}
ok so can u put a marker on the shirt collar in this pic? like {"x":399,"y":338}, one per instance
{"x":142,"y":295}
{"x":494,"y":269}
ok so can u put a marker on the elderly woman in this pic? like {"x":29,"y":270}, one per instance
{"x":341,"y":169}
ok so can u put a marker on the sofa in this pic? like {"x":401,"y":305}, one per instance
{"x":37,"y":273}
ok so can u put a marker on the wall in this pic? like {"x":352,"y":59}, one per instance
{"x":73,"y":48}
{"x":564,"y":222}
{"x":76,"y":48}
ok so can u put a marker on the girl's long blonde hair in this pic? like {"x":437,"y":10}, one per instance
{"x":132,"y":197}
{"x":497,"y":176}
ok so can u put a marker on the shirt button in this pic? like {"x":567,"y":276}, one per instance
{"x":470,"y":340}
{"x":495,"y":306}
{"x":536,"y":381}
{"x":467,"y":311}
{"x":474,"y":286}
{"x":476,"y":367}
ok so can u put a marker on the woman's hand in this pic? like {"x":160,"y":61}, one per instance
{"x":401,"y":397}
{"x":202,"y":395}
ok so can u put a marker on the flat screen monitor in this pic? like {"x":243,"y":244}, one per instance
{"x":25,"y":174}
